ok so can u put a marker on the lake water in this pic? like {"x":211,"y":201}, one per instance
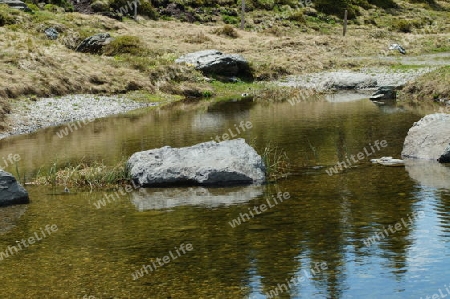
{"x":366,"y":231}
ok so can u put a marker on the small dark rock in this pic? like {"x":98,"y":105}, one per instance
{"x":11,"y":192}
{"x":385,"y":93}
{"x":445,"y":157}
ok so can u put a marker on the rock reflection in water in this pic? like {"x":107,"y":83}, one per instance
{"x":9,"y":217}
{"x":429,"y":173}
{"x":159,"y":198}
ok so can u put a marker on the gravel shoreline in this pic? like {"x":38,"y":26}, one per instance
{"x":30,"y":116}
{"x":384,"y":77}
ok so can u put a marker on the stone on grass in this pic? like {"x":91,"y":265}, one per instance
{"x":214,"y":62}
{"x":384,"y":93}
{"x":15,"y":4}
{"x":94,"y":44}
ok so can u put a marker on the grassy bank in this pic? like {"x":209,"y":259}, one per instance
{"x":278,"y":41}
{"x":434,"y":86}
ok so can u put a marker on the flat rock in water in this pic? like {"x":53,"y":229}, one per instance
{"x":231,"y":162}
{"x":429,"y":138}
{"x":11,"y":192}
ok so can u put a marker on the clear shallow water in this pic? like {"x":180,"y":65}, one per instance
{"x":326,"y":220}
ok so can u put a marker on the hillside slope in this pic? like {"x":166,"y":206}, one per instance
{"x":279,"y":42}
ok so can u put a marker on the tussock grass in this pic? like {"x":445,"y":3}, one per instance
{"x":227,"y":30}
{"x":431,"y":86}
{"x":277,"y":163}
{"x":92,"y":174}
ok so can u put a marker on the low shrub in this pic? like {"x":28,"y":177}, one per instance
{"x":227,"y":30}
{"x":125,"y":44}
{"x":5,"y":16}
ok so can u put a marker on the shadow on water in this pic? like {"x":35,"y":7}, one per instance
{"x":329,"y":239}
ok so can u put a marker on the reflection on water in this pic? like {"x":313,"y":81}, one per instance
{"x":158,"y":198}
{"x":324,"y":222}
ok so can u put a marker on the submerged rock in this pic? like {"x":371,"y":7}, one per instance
{"x":214,"y":62}
{"x":429,"y":138}
{"x":231,"y":162}
{"x":11,"y":192}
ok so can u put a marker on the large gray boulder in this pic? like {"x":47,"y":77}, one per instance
{"x":216,"y":63}
{"x":15,"y":4}
{"x":428,"y":138}
{"x":11,"y":192}
{"x":231,"y":162}
{"x":94,"y":44}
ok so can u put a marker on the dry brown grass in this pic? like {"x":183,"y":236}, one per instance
{"x":431,"y":86}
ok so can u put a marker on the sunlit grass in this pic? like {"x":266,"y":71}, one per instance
{"x":85,"y":174}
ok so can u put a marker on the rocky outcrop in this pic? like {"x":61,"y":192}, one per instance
{"x":231,"y":162}
{"x":167,"y":198}
{"x":94,"y":44}
{"x":429,"y":138}
{"x":213,"y":62}
{"x":384,"y":93}
{"x":15,"y":4}
{"x":11,"y":192}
